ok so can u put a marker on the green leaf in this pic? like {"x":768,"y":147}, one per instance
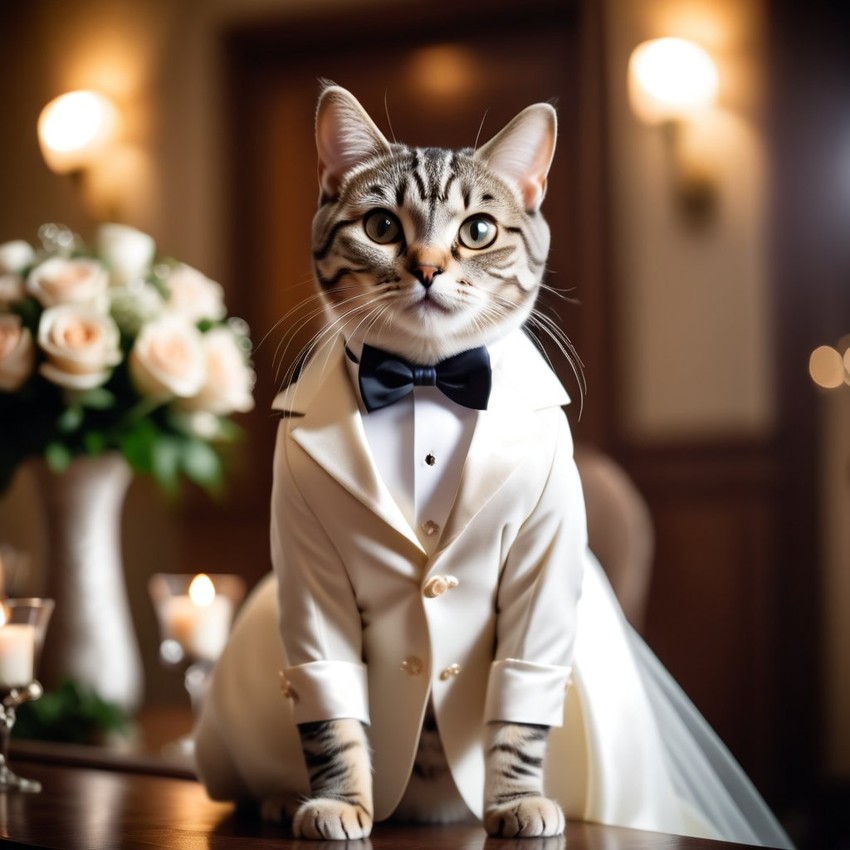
{"x":97,"y":399}
{"x":70,"y":420}
{"x":71,"y":713}
{"x":58,"y":457}
{"x":94,"y":442}
{"x":201,"y":464}
{"x":137,"y":446}
{"x":30,"y":312}
{"x":165,"y":459}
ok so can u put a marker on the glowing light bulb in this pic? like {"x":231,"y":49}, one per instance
{"x":826,"y":367}
{"x":670,"y":78}
{"x":74,"y":129}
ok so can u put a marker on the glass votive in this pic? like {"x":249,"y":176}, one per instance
{"x":195,"y":613}
{"x":23,"y":624}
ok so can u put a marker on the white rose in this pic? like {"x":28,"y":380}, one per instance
{"x":81,"y":345}
{"x":63,"y":281}
{"x":229,"y":381}
{"x":17,"y":353}
{"x":167,"y":359}
{"x":127,"y":252}
{"x":134,"y":306}
{"x":194,"y":296}
{"x":11,"y":289}
{"x":15,"y":256}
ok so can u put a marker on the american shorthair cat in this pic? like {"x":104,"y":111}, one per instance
{"x":427,"y":253}
{"x":433,"y":594}
{"x":428,"y":263}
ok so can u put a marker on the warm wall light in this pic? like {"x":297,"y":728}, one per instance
{"x":671,"y":83}
{"x":670,"y":79}
{"x":829,"y":367}
{"x":75,"y":129}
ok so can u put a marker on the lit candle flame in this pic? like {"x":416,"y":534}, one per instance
{"x":3,"y":616}
{"x":202,"y":590}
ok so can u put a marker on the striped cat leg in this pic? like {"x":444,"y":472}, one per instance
{"x":337,"y":756}
{"x":514,"y":805}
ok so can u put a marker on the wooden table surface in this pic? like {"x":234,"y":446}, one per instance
{"x":141,"y":798}
{"x":88,"y":808}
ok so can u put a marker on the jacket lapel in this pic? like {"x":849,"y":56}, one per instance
{"x":330,"y":430}
{"x":507,"y":431}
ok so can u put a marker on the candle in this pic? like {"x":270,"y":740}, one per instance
{"x":17,"y":655}
{"x":200,"y":620}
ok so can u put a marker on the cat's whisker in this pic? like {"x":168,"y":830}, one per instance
{"x":563,"y":294}
{"x":293,"y":331}
{"x":553,"y":331}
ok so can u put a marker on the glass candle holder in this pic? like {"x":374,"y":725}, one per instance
{"x":23,"y":624}
{"x":194,"y":614}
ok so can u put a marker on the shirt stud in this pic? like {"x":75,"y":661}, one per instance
{"x":430,"y":459}
{"x":430,"y":527}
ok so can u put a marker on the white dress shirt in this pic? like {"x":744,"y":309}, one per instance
{"x":419,"y":445}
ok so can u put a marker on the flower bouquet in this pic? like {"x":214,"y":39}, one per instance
{"x":110,"y":348}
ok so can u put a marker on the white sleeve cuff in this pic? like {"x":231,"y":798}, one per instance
{"x":327,"y":690}
{"x":524,"y":692}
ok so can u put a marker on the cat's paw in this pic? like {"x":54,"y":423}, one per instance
{"x":525,"y":817}
{"x":333,"y":820}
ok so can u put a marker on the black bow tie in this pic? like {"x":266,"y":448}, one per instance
{"x":386,"y":378}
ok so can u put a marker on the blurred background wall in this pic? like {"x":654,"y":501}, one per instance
{"x":695,"y":326}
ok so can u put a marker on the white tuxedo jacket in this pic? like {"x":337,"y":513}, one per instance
{"x":372,"y":625}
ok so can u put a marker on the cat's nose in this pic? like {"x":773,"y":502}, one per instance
{"x":425,"y":273}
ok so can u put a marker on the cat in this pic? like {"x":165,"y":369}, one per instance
{"x":433,"y":595}
{"x":428,"y":253}
{"x":425,"y":255}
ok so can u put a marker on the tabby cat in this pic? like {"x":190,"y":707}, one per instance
{"x":427,"y":253}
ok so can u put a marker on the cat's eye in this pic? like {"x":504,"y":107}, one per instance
{"x":382,"y":227}
{"x":478,"y":232}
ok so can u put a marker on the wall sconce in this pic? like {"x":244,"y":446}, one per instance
{"x":829,"y":366}
{"x":671,"y":82}
{"x":75,"y":131}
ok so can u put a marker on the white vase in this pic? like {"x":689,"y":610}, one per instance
{"x":91,"y":637}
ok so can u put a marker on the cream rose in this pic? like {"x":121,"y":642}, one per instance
{"x":17,"y":353}
{"x":81,"y":345}
{"x":167,"y":359}
{"x":229,"y":381}
{"x":127,"y":252}
{"x":15,"y":256}
{"x":65,"y":281}
{"x":11,"y":289}
{"x":194,"y":296}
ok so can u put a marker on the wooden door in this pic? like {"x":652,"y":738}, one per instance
{"x":437,"y":74}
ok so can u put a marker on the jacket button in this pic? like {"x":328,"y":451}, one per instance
{"x":287,"y":690}
{"x":412,"y":665}
{"x":438,"y":585}
{"x":450,"y":672}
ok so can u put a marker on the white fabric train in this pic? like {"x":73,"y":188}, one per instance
{"x":633,"y":750}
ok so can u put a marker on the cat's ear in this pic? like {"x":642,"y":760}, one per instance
{"x":522,"y":152}
{"x":345,"y":137}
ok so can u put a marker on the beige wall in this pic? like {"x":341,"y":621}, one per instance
{"x":835,"y":484}
{"x":692,"y":303}
{"x":692,"y":298}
